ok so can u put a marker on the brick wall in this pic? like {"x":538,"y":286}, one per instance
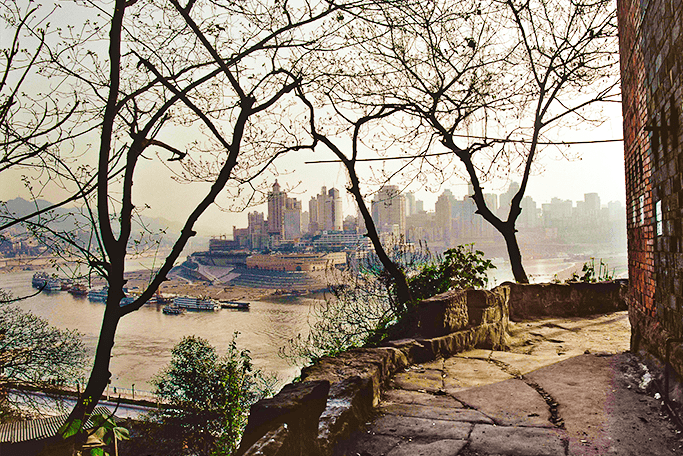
{"x":651,"y":51}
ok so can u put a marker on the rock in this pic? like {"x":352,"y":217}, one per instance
{"x":298,"y":405}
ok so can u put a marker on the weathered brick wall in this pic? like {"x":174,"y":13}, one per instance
{"x":651,"y":51}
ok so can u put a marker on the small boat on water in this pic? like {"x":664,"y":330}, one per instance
{"x":53,"y":285}
{"x":172,"y":310}
{"x":98,"y":295}
{"x":194,"y":304}
{"x":79,"y":289}
{"x":239,"y":305}
{"x":40,"y":279}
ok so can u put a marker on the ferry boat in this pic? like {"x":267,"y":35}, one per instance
{"x":240,"y":305}
{"x":40,"y":279}
{"x":98,"y":295}
{"x":192,"y":303}
{"x":53,"y":285}
{"x":172,"y":310}
{"x":79,"y":289}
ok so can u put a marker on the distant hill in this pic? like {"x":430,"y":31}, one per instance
{"x":70,"y":219}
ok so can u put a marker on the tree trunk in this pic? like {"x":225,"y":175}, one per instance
{"x":403,"y":293}
{"x":510,"y":235}
{"x":100,"y":373}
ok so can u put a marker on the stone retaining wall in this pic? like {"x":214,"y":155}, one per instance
{"x":336,"y":394}
{"x":528,"y":301}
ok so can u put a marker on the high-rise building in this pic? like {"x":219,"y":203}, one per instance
{"x":389,"y":210}
{"x":325,"y":211}
{"x":444,"y":216}
{"x":505,"y":200}
{"x":284,"y":214}
{"x":276,"y":208}
{"x":292,"y":218}
{"x":411,"y":208}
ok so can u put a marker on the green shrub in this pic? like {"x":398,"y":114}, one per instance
{"x":206,"y":398}
{"x":361,"y":310}
{"x":458,"y":268}
{"x":589,"y":275}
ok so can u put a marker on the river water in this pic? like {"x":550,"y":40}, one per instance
{"x":144,"y":338}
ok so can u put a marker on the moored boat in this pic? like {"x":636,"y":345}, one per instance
{"x":98,"y":295}
{"x":192,"y":303}
{"x":40,"y":279}
{"x":172,"y":310}
{"x":78,"y":289}
{"x":53,"y":285}
{"x":240,"y":305}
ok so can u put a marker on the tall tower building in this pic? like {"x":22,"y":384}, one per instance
{"x":276,"y":208}
{"x":284,"y":214}
{"x":325,"y":211}
{"x":389,"y":210}
{"x":411,"y":208}
{"x":444,"y":215}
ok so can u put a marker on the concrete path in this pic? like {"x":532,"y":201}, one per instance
{"x":567,"y":387}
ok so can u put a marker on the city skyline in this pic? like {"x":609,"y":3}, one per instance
{"x":451,"y":219}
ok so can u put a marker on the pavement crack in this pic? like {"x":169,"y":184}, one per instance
{"x":505,"y":367}
{"x":555,"y":418}
{"x":552,"y":403}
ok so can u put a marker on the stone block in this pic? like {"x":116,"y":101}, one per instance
{"x":271,"y":444}
{"x":528,"y":301}
{"x":298,"y":405}
{"x":350,"y":403}
{"x":442,"y":314}
{"x":516,"y":441}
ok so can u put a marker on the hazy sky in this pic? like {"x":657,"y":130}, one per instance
{"x":599,"y":169}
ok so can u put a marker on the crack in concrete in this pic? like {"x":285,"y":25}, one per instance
{"x":555,"y":417}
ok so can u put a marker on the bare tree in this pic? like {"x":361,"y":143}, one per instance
{"x":512,"y":73}
{"x":211,"y":69}
{"x":398,"y":278}
{"x":38,"y":126}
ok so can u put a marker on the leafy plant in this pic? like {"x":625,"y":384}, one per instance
{"x":206,"y":398}
{"x":108,"y":433}
{"x":589,"y":275}
{"x":362,"y":310}
{"x":459,"y":267}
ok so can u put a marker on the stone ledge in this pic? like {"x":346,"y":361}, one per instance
{"x":528,"y":301}
{"x":447,"y":324}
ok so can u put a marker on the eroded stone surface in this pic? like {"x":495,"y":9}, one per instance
{"x":438,"y":448}
{"x":419,"y":380}
{"x":367,"y":443}
{"x":411,"y":427}
{"x":510,"y":403}
{"x":516,"y":441}
{"x":468,"y":373}
{"x":416,"y":397}
{"x":432,"y":412}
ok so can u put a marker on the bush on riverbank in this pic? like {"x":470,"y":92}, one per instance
{"x":361,"y":310}
{"x":205,"y":401}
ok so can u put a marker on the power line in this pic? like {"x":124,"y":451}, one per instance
{"x":498,"y":140}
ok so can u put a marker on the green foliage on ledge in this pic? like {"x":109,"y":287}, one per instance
{"x":361,"y":310}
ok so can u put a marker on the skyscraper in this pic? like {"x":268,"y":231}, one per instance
{"x":325,"y":211}
{"x":276,"y":207}
{"x":389,"y":210}
{"x":284,"y":214}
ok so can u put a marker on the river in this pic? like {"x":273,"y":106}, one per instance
{"x":144,"y":338}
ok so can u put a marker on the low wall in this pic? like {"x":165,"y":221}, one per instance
{"x":337,"y":394}
{"x":528,"y":301}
